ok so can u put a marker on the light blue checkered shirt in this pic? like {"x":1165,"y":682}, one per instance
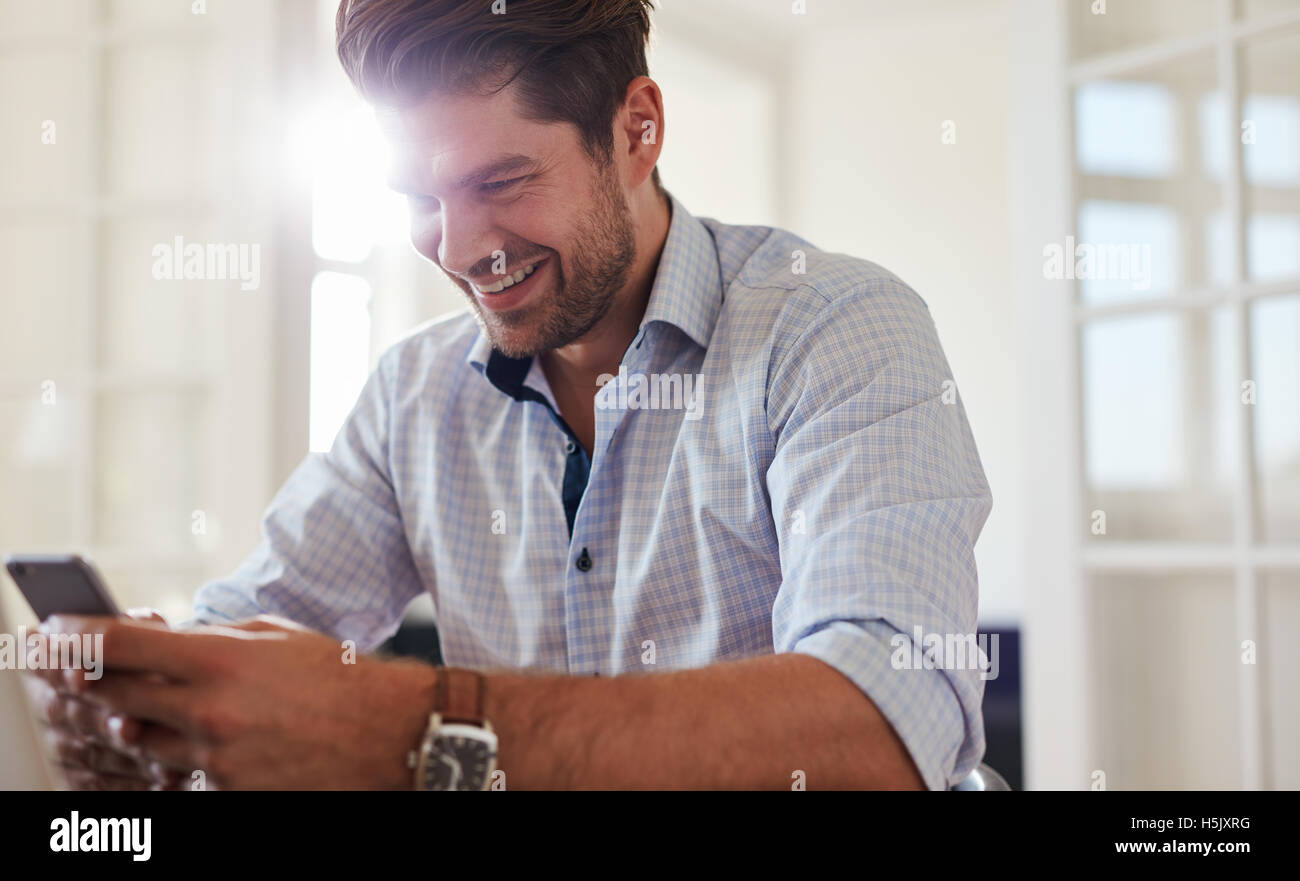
{"x":823,"y":495}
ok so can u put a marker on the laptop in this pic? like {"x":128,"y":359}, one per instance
{"x":22,"y":761}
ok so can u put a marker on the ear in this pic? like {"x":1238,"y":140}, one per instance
{"x":639,"y":128}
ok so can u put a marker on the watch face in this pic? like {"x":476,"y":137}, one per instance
{"x":462,"y":757}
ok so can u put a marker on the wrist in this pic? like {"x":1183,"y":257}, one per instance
{"x":416,"y":690}
{"x":459,"y":748}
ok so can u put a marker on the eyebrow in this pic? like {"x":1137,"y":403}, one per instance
{"x":482,"y":174}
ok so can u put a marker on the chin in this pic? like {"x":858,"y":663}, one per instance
{"x":516,"y":342}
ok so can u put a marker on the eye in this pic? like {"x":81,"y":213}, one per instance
{"x":499,"y":185}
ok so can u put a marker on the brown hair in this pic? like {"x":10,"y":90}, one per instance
{"x":573,"y":59}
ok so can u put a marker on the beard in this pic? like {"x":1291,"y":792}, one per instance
{"x":605,"y":245}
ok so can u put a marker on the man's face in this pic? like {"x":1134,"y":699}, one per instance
{"x":515,"y":213}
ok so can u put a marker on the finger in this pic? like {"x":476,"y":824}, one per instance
{"x":80,"y":718}
{"x":142,"y":646}
{"x":164,"y":702}
{"x":124,"y":731}
{"x":143,"y":614}
{"x":73,"y":716}
{"x":57,"y":656}
{"x":170,"y":750}
{"x":84,"y":755}
{"x":54,"y":658}
{"x":83,"y":719}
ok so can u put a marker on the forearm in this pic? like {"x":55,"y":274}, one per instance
{"x":739,"y":725}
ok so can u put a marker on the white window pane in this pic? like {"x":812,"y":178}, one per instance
{"x":1132,"y":389}
{"x":1147,"y":233}
{"x":1160,"y":446}
{"x":1271,"y":112}
{"x":1273,"y":155}
{"x":1270,"y":133}
{"x":1142,"y":176}
{"x":1275,"y":328}
{"x":1124,"y":128}
{"x":340,"y":351}
{"x":1273,"y":246}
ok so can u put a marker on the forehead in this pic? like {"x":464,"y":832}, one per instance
{"x":447,"y":136}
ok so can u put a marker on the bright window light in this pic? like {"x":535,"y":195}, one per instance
{"x":1270,"y":151}
{"x":1130,"y":223}
{"x":352,"y":208}
{"x":1132,"y":392}
{"x":340,"y":352}
{"x":1125,"y":129}
{"x":1276,"y":330}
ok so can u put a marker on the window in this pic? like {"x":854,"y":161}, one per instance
{"x":1186,"y":157}
{"x":136,"y":406}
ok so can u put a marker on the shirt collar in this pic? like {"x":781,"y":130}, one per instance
{"x":687,"y":291}
{"x":687,"y":294}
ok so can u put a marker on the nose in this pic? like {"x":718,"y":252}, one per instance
{"x":465,"y":236}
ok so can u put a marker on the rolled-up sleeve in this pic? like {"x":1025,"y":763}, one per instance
{"x":334,"y":555}
{"x":879,"y":495}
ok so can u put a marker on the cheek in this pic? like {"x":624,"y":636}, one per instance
{"x":535,"y":220}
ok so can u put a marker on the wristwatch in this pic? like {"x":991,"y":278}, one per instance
{"x":459,"y":748}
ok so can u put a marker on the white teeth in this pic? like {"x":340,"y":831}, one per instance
{"x":508,"y":280}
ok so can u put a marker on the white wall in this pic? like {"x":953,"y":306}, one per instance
{"x":872,"y":178}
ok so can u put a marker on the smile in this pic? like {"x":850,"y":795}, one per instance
{"x":508,"y":280}
{"x":513,"y":289}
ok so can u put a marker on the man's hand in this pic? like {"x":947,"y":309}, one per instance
{"x":260,"y":705}
{"x":85,"y":741}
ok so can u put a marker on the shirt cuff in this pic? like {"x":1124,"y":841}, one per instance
{"x":919,"y":704}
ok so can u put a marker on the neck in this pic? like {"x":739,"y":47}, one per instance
{"x":601,"y":349}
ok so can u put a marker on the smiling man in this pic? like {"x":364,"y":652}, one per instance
{"x":626,"y":597}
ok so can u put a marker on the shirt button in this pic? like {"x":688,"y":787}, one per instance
{"x":569,"y":447}
{"x":584,"y":562}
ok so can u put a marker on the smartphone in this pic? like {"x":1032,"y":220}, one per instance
{"x":60,"y":584}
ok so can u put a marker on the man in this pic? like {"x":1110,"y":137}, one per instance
{"x":654,"y":445}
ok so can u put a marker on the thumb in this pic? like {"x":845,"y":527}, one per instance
{"x":143,"y":614}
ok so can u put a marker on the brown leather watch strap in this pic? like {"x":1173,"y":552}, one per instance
{"x":458,"y":695}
